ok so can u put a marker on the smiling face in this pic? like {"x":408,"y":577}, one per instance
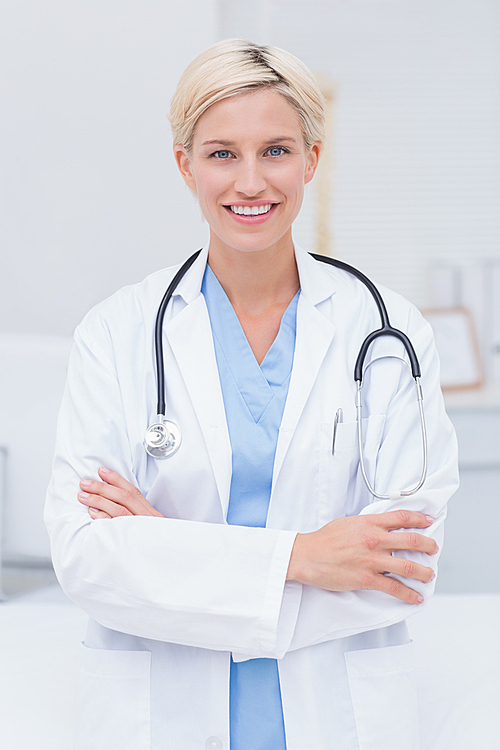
{"x":248,"y":166}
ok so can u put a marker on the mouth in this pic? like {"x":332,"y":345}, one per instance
{"x":251,"y":210}
{"x":251,"y":214}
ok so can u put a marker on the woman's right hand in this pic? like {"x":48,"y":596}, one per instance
{"x":353,"y":553}
{"x":114,"y":497}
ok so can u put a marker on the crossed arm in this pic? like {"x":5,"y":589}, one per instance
{"x":348,"y":554}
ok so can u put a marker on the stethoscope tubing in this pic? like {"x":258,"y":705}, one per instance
{"x":385,"y":330}
{"x":160,"y":370}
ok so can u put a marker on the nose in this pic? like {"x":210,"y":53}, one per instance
{"x":250,"y":179}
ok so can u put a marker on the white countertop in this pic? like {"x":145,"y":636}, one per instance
{"x":458,"y":671}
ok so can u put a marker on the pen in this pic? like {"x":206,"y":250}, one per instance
{"x":339,"y":416}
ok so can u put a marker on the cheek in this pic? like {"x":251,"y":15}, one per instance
{"x":296,"y":185}
{"x":208,"y":186}
{"x":295,"y":179}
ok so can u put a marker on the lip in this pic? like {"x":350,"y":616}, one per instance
{"x":250,"y":220}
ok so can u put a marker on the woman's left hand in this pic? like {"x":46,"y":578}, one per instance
{"x":114,"y":497}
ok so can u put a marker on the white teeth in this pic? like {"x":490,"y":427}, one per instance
{"x":251,"y":210}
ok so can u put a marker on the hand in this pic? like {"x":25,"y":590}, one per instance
{"x":114,"y":497}
{"x":353,"y":553}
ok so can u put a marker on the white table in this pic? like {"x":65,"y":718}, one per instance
{"x":458,"y":656}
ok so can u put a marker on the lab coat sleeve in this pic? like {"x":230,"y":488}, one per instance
{"x":324,"y":615}
{"x":200,"y":584}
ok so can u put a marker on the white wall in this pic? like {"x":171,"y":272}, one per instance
{"x":90,"y":196}
{"x":32,"y":376}
{"x":416,"y":147}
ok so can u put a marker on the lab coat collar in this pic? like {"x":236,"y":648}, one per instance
{"x":315,"y":282}
{"x":189,"y":287}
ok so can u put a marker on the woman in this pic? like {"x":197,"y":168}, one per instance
{"x":238,"y":591}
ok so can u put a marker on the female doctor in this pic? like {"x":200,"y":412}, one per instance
{"x":248,"y":592}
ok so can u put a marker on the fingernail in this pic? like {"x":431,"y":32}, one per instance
{"x":437,"y":550}
{"x":429,"y":519}
{"x":420,"y":599}
{"x":104,"y":471}
{"x":85,"y":482}
{"x":83,"y":494}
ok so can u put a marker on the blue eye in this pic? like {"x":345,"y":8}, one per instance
{"x":223,"y":154}
{"x":277,"y":151}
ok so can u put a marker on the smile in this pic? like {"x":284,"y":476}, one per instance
{"x":251,"y":210}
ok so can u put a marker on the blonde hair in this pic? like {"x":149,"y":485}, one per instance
{"x":237,"y":66}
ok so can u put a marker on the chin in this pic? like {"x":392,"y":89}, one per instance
{"x":252,"y":242}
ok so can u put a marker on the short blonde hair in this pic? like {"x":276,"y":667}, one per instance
{"x":237,"y":66}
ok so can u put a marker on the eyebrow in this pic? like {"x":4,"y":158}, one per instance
{"x":229,"y":144}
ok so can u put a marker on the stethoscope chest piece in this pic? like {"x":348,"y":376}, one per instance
{"x":162,"y":439}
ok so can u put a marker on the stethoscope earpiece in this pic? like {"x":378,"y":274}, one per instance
{"x":162,"y":439}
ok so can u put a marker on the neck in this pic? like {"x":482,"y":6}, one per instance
{"x":256,"y":280}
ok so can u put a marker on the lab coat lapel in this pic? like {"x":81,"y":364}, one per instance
{"x":313,"y":339}
{"x":190,"y":337}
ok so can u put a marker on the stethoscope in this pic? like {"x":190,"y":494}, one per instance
{"x":163,"y":438}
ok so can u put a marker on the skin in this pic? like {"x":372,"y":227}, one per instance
{"x":232,"y":162}
{"x":249,"y":150}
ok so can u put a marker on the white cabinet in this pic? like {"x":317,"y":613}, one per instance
{"x":470,"y":561}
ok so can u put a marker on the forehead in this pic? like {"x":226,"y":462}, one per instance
{"x":257,"y":115}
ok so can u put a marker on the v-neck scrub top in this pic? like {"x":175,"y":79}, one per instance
{"x":254,"y":399}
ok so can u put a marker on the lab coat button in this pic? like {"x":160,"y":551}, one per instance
{"x":213,"y":743}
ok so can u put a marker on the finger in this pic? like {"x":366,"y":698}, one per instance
{"x":122,"y":501}
{"x":402,"y":519}
{"x":115,"y":479}
{"x":127,"y":498}
{"x":410,"y":540}
{"x":409,"y":569}
{"x":94,"y":513}
{"x":131,"y":492}
{"x":100,"y":503}
{"x":398,"y":590}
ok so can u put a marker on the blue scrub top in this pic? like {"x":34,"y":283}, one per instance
{"x":254,"y":400}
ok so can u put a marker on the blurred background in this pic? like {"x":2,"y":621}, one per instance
{"x":409,"y":192}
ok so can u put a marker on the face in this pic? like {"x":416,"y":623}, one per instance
{"x":248,"y":166}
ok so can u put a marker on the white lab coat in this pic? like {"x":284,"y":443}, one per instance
{"x":170,"y":598}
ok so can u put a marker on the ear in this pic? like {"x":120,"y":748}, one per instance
{"x":312,"y":159}
{"x":182,"y":159}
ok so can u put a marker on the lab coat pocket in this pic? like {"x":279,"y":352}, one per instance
{"x":113,"y":705}
{"x":338,"y":470}
{"x":384,"y":697}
